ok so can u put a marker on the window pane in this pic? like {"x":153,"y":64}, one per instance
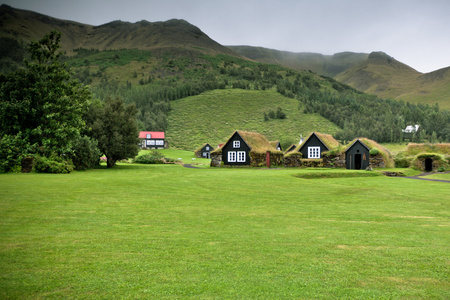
{"x":236,"y":144}
{"x":231,"y":156}
{"x":313,"y":152}
{"x":241,"y":156}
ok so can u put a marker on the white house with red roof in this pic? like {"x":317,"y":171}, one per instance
{"x":152,"y":139}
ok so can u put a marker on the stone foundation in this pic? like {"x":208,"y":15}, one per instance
{"x":333,"y":160}
{"x":377,"y":161}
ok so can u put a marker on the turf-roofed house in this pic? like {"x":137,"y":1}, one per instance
{"x":246,"y":149}
{"x":309,"y":152}
{"x":204,"y":151}
{"x":362,"y":153}
{"x":152,"y":140}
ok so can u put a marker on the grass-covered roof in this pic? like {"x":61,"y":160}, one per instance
{"x":414,"y":149}
{"x":326,"y":139}
{"x":201,"y":147}
{"x":256,"y":141}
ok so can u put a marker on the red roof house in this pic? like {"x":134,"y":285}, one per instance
{"x":152,"y":139}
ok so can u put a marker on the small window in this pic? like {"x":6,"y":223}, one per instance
{"x":236,"y":144}
{"x":151,"y":142}
{"x":159,"y":142}
{"x":207,"y":148}
{"x":313,"y":152}
{"x":149,"y":136}
{"x":231,"y":156}
{"x":241,"y":156}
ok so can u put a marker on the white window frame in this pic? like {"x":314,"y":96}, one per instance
{"x":207,"y":148}
{"x":231,"y":156}
{"x":150,"y":142}
{"x":313,"y":152}
{"x":241,"y":155}
{"x":149,"y":136}
{"x":236,"y":144}
{"x":159,"y":142}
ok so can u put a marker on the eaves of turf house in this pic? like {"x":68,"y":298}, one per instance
{"x":245,"y":148}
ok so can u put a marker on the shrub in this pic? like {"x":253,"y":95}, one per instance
{"x":12,"y":150}
{"x":155,"y":157}
{"x":402,"y":162}
{"x":85,"y":153}
{"x":52,"y":165}
{"x":374,"y":151}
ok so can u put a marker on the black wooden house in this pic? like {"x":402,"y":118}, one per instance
{"x":204,"y":151}
{"x":315,"y":144}
{"x":357,"y":156}
{"x":236,"y":151}
{"x":246,"y":148}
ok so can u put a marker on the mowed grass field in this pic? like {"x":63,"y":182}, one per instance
{"x":169,"y":232}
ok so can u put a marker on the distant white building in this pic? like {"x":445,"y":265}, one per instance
{"x":411,"y":129}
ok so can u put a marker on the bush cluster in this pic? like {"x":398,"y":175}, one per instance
{"x":374,"y":151}
{"x":155,"y":157}
{"x":52,"y":165}
{"x":12,"y":150}
{"x":402,"y":162}
{"x":85,"y":153}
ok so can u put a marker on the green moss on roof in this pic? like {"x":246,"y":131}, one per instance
{"x":201,"y":147}
{"x":256,"y":141}
{"x":414,"y":149}
{"x":327,"y":139}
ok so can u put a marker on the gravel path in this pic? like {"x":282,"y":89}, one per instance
{"x":421,"y":177}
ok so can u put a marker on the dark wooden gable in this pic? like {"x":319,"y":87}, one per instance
{"x":313,"y":141}
{"x":236,"y":151}
{"x":206,"y":150}
{"x":291,"y":148}
{"x":357,"y":156}
{"x":278,"y":146}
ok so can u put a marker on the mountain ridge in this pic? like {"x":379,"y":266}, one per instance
{"x":374,"y":73}
{"x":29,"y":26}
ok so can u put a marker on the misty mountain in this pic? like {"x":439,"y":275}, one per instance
{"x":376,"y":73}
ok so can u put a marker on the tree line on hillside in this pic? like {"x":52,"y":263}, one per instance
{"x":356,"y":113}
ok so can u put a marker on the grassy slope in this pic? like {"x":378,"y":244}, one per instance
{"x":213,"y":116}
{"x":392,"y":79}
{"x":165,"y":232}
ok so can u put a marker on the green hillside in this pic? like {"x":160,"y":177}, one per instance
{"x":154,"y":65}
{"x":213,"y":116}
{"x":376,"y":73}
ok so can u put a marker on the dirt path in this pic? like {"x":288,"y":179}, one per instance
{"x":190,"y":166}
{"x":421,"y":177}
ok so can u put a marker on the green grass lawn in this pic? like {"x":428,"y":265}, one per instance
{"x":168,"y":232}
{"x":183,"y":156}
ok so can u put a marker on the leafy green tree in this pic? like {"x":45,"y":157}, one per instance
{"x":41,"y":101}
{"x":115,"y":128}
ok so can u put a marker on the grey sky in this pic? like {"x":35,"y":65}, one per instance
{"x":415,"y":32}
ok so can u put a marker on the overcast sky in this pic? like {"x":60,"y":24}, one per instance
{"x":415,"y":32}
